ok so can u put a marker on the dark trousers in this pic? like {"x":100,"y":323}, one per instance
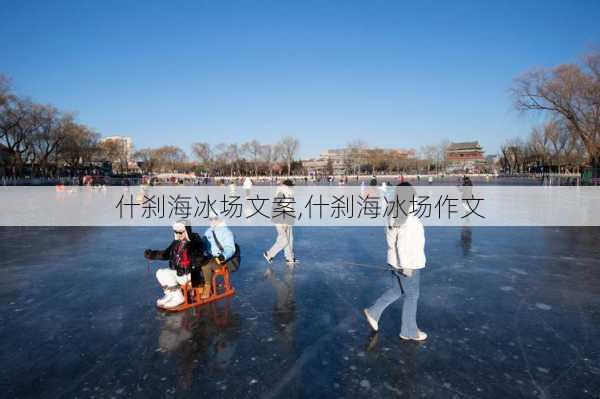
{"x":207,"y":271}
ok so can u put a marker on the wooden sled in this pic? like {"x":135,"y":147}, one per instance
{"x":220,"y":288}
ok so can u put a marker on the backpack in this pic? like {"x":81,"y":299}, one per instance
{"x":233,"y":263}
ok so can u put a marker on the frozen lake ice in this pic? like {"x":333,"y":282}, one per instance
{"x":510,"y":312}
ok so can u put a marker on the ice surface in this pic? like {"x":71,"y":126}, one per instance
{"x":509,"y":313}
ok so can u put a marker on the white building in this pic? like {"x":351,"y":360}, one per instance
{"x":343,"y":161}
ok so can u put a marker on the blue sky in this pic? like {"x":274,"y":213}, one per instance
{"x":392,"y":73}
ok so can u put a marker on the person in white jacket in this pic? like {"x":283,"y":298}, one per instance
{"x":247,"y":186}
{"x":284,"y":224}
{"x":406,"y":256}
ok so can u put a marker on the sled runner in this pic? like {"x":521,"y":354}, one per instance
{"x":220,"y":288}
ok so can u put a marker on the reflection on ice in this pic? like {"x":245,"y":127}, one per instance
{"x":509,"y":312}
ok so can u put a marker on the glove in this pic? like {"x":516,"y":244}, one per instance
{"x":407,"y":272}
{"x":147,"y":253}
{"x":220,"y":259}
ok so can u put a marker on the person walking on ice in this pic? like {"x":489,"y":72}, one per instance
{"x":466,"y":193}
{"x":284,"y":224}
{"x":406,"y":256}
{"x":247,"y":186}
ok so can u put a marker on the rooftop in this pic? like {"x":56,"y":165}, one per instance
{"x":467,"y":145}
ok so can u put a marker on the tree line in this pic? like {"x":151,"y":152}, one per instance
{"x":568,"y":95}
{"x":550,"y":147}
{"x":39,"y":135}
{"x":41,"y":140}
{"x":249,"y":158}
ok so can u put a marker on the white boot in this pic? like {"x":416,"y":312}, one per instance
{"x":161,"y":302}
{"x":372,"y":322}
{"x":421,"y":336}
{"x":175,"y":299}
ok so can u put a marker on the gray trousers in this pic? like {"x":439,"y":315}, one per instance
{"x":410,"y":285}
{"x":285,"y":241}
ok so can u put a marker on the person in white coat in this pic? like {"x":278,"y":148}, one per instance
{"x":284,"y":224}
{"x":406,"y":256}
{"x":247,"y":186}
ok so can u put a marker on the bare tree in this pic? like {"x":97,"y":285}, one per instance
{"x":5,"y":93}
{"x":329,"y":167}
{"x":51,"y":133}
{"x":203,"y":153}
{"x":377,"y":159}
{"x":551,"y":145}
{"x":148,"y":158}
{"x":557,"y":138}
{"x":513,"y":153}
{"x":289,"y":147}
{"x":253,"y":150}
{"x":436,"y":155}
{"x":170,"y":158}
{"x":398,"y":161}
{"x":570,"y":93}
{"x":115,"y":151}
{"x":80,"y":145}
{"x":269,"y":154}
{"x":228,"y":155}
{"x":233,"y":157}
{"x":442,"y":153}
{"x":19,"y":120}
{"x":355,"y":155}
{"x":41,"y":135}
{"x":574,"y":154}
{"x":430,"y":153}
{"x":220,"y":158}
{"x":537,"y":146}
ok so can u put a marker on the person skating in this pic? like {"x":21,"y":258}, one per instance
{"x":247,"y":186}
{"x":467,"y":193}
{"x":284,"y":224}
{"x":406,"y":256}
{"x":185,"y":255}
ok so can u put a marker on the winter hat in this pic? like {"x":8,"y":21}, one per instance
{"x":183,"y":224}
{"x":213,"y":214}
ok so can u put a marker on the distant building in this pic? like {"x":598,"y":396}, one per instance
{"x":341,"y":161}
{"x":467,"y":155}
{"x":403,"y":154}
{"x":133,"y":167}
{"x":337,"y":159}
{"x":315,"y":167}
